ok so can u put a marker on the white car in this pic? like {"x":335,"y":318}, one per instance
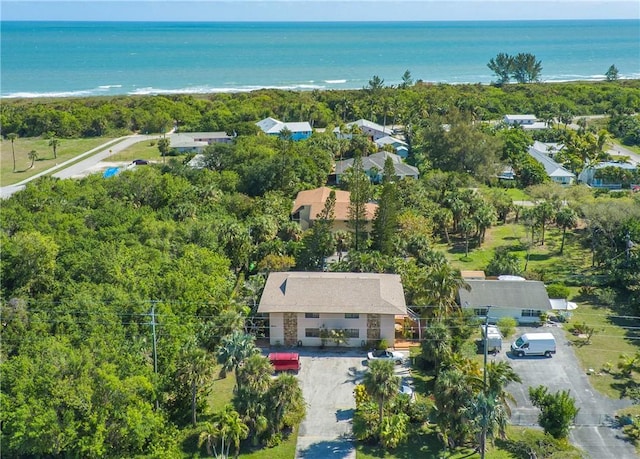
{"x":396,"y":357}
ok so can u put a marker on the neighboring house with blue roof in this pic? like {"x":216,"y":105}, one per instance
{"x":374,"y":166}
{"x":557,"y":173}
{"x":299,"y":130}
{"x":590,"y":176}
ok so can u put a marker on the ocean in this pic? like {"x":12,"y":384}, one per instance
{"x":49,"y":59}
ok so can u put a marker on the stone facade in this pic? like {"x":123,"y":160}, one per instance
{"x":290,"y":328}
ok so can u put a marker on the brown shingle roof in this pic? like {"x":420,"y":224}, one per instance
{"x":324,"y":292}
{"x":317,"y":198}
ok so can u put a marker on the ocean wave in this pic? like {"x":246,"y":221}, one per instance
{"x":335,"y":81}
{"x":110,"y":86}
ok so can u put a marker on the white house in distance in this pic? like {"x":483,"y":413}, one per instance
{"x":299,"y":130}
{"x":526,"y":122}
{"x":524,"y":300}
{"x":555,"y":171}
{"x":301,"y":305}
{"x":588,"y":174}
{"x":372,"y":130}
{"x":195,"y":142}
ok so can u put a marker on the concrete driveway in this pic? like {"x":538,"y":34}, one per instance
{"x":327,"y":378}
{"x":594,"y":431}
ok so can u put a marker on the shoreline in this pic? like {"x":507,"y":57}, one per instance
{"x":102,"y":91}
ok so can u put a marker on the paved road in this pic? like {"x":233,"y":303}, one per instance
{"x":594,"y":432}
{"x":92,"y":157}
{"x":619,"y":150}
{"x":327,"y":378}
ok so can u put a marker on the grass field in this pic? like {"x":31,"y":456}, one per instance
{"x":614,"y":335}
{"x":67,"y":149}
{"x":141,"y":150}
{"x":544,"y":261}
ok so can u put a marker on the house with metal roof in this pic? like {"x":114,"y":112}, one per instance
{"x":304,"y":307}
{"x":196,"y":142}
{"x":374,"y":166}
{"x":554,"y":171}
{"x":592,"y":175}
{"x":272,"y":126}
{"x":524,"y":300}
{"x":372,"y":130}
{"x":526,"y":122}
{"x":309,"y":203}
{"x":400,"y":147}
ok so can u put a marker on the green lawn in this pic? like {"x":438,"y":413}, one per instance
{"x":544,"y":260}
{"x":613,"y":336}
{"x":67,"y":149}
{"x":141,"y":150}
{"x":221,"y":394}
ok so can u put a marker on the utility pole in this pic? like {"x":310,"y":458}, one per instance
{"x":483,"y":441}
{"x":155,"y":351}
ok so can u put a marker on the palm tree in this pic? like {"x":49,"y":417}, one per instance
{"x":286,"y":403}
{"x":233,"y":350}
{"x":232,"y":429}
{"x":566,"y":218}
{"x":194,"y":371}
{"x":33,"y":155}
{"x":381,"y":383}
{"x":228,"y":428}
{"x":12,"y":138}
{"x":454,"y":394}
{"x":499,"y":375}
{"x":54,"y":144}
{"x":442,"y":285}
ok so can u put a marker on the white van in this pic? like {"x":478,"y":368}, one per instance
{"x":534,"y":344}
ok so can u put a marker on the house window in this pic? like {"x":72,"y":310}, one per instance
{"x":352,"y":333}
{"x":312,"y":332}
{"x":311,"y":315}
{"x":530,"y":313}
{"x":350,"y":315}
{"x":481,"y":311}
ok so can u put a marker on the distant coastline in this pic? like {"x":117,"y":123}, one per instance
{"x":83,"y":59}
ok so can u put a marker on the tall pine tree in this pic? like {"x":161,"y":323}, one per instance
{"x":318,"y":242}
{"x":386,"y":217}
{"x":359,"y":186}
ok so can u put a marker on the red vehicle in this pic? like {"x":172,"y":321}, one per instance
{"x":285,"y":361}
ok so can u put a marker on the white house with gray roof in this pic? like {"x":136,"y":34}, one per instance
{"x":303,"y":305}
{"x":196,"y":142}
{"x":524,"y":300}
{"x":557,"y":173}
{"x":272,"y":126}
{"x":374,"y":166}
{"x":372,"y":130}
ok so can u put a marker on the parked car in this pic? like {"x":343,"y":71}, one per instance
{"x":397,"y":357}
{"x":140,"y":162}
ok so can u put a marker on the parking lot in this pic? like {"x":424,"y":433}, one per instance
{"x":327,"y":378}
{"x":594,"y":431}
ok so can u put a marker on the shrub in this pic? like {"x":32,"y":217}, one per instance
{"x":558,"y":291}
{"x":382,"y":344}
{"x":507,"y":326}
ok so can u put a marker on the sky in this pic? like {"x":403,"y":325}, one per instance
{"x":315,"y":10}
